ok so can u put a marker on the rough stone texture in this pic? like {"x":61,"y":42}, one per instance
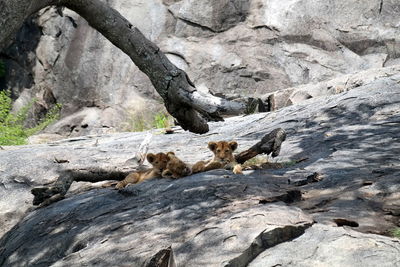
{"x":297,"y":95}
{"x":326,"y":246}
{"x":202,"y":218}
{"x":232,"y":47}
{"x":350,"y":139}
{"x":213,"y":16}
{"x":21,"y":58}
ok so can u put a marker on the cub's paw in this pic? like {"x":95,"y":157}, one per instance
{"x":237,"y":169}
{"x":167,"y":174}
{"x":120,"y":185}
{"x":214,"y":165}
{"x":198,"y":167}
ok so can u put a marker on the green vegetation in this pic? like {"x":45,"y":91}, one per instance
{"x":141,"y":122}
{"x":264,"y":162}
{"x":257,"y":160}
{"x":12,"y":130}
{"x":395,"y":232}
{"x":162,"y":120}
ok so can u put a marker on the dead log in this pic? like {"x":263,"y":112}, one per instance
{"x":46,"y":195}
{"x":269,"y":144}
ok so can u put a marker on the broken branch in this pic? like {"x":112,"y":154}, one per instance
{"x":269,"y":144}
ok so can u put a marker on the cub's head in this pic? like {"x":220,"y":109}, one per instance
{"x":159,"y":161}
{"x":176,"y":168}
{"x":223,"y":151}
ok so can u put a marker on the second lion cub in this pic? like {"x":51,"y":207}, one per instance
{"x":223,"y":158}
{"x":163,"y":165}
{"x":158,"y":161}
{"x":176,"y":168}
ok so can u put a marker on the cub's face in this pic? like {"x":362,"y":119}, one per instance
{"x":176,"y":168}
{"x":223,"y":151}
{"x":159,"y":161}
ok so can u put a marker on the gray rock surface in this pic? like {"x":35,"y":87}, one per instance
{"x":251,"y":48}
{"x":201,"y":217}
{"x":213,"y":16}
{"x":297,"y":95}
{"x":322,"y":245}
{"x":350,"y":139}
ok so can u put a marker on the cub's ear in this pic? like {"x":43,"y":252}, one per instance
{"x":150,"y":157}
{"x":233,"y":145}
{"x":212,"y":146}
{"x":169,"y":154}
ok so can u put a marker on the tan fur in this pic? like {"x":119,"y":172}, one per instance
{"x":223,"y":158}
{"x":176,"y":168}
{"x":159,"y":162}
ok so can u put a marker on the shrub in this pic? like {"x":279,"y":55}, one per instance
{"x":142,"y":121}
{"x":395,"y":232}
{"x":12,"y":130}
{"x":161,"y":120}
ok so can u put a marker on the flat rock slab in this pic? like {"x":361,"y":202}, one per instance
{"x":322,"y":245}
{"x":206,"y":221}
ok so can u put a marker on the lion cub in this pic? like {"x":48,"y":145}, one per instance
{"x":176,"y":168}
{"x":159,"y":162}
{"x":164,"y":165}
{"x":223,"y":158}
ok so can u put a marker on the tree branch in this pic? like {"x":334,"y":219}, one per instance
{"x":46,"y":195}
{"x":269,"y":144}
{"x":190,"y":107}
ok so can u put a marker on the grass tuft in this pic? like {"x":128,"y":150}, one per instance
{"x":395,"y":232}
{"x":142,"y":121}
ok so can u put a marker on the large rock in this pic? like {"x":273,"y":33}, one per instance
{"x":355,"y":24}
{"x":296,"y":95}
{"x":349,"y":140}
{"x":231,"y":47}
{"x":207,"y":221}
{"x":337,"y":247}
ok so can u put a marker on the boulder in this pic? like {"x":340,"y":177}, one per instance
{"x":324,"y":245}
{"x":201,"y":219}
{"x":296,"y":95}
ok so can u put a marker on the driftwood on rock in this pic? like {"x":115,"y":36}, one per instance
{"x":183,"y":101}
{"x":43,"y":196}
{"x":46,"y":195}
{"x":269,"y":144}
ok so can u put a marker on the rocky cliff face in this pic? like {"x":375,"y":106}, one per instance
{"x":232,"y":47}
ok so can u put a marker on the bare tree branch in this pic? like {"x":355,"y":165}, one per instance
{"x":57,"y":191}
{"x":190,"y":107}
